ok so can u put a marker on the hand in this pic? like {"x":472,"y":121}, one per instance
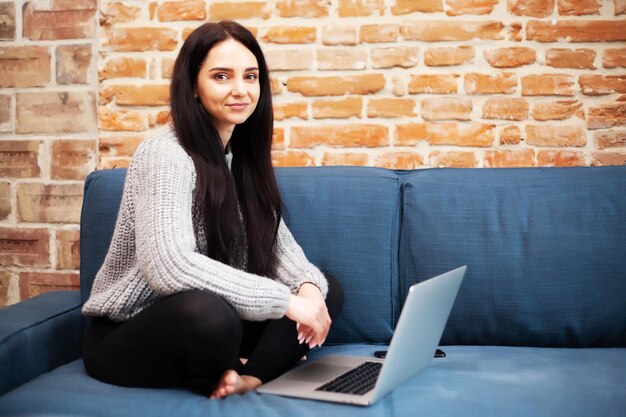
{"x":309,"y":311}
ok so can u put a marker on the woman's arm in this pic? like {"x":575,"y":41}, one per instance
{"x":294,"y":269}
{"x":166,"y":257}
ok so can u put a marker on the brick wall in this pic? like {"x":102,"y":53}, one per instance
{"x":391,"y":83}
{"x":48,"y":140}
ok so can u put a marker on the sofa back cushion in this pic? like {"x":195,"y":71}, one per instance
{"x":545,"y":249}
{"x":101,"y":202}
{"x":347,"y":221}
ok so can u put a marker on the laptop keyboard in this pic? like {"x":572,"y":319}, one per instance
{"x":356,"y":381}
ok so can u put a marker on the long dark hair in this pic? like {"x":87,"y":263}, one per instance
{"x":252,"y":182}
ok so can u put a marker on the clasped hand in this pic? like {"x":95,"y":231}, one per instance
{"x":308,"y":310}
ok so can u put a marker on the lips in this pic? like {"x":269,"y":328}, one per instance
{"x":238,"y":105}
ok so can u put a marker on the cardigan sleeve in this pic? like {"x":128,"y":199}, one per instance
{"x":165,"y":241}
{"x":294,"y":269}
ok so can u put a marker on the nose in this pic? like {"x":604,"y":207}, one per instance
{"x":239,"y":88}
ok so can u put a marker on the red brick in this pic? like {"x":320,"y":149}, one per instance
{"x":5,"y":284}
{"x":378,"y":33}
{"x":337,"y":109}
{"x":284,"y":111}
{"x":395,"y":56}
{"x":609,"y":158}
{"x":610,"y":139}
{"x":139,"y":39}
{"x":614,"y":57}
{"x":558,"y":110}
{"x":460,"y":134}
{"x":410,"y":134}
{"x":547,"y":85}
{"x":73,"y":159}
{"x":510,"y":135}
{"x":502,"y":83}
{"x":432,"y":31}
{"x":515,"y":32}
{"x":6,"y":116}
{"x":509,"y":158}
{"x":553,"y":135}
{"x":345,"y":159}
{"x":24,"y":247}
{"x":132,"y":95}
{"x":122,"y":145}
{"x":505,"y":108}
{"x":568,"y":58}
{"x":607,"y":115}
{"x":399,"y":160}
{"x":339,"y":35}
{"x":239,"y":11}
{"x":578,"y":7}
{"x":24,"y":66}
{"x":184,"y":10}
{"x":303,"y":8}
{"x":576,"y":30}
{"x":446,"y":108}
{"x":620,"y":7}
{"x":290,"y":34}
{"x":292,"y":159}
{"x":353,"y":135}
{"x":56,"y":112}
{"x":510,"y":57}
{"x":5,"y":199}
{"x":111,"y":163}
{"x":356,"y":8}
{"x":7,"y":21}
{"x":48,"y":20}
{"x":35,"y":283}
{"x":73,"y":64}
{"x":118,"y":12}
{"x":68,"y":249}
{"x":123,"y":67}
{"x":444,"y":56}
{"x":19,"y":159}
{"x":461,"y":7}
{"x":560,"y":158}
{"x":49,"y":203}
{"x":391,"y":107}
{"x":336,"y":86}
{"x":433,"y":84}
{"x":341,"y":59}
{"x":534,"y":8}
{"x":452,"y":159}
{"x":410,"y":6}
{"x":594,"y":85}
{"x":117,"y":120}
{"x":278,"y":138}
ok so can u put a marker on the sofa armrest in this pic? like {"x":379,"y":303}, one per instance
{"x":37,"y":335}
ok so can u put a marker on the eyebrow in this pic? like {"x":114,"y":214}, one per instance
{"x":231,"y":70}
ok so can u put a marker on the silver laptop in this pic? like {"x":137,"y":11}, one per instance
{"x":413,"y":344}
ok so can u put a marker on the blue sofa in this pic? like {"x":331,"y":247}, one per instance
{"x":538,"y":328}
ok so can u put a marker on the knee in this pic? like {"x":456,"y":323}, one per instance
{"x":208,"y":316}
{"x":335,"y":297}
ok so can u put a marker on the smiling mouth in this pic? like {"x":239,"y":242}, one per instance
{"x":238,"y":105}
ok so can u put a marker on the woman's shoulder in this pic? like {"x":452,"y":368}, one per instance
{"x":162,"y":143}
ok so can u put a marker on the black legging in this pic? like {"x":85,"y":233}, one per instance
{"x":190,"y":339}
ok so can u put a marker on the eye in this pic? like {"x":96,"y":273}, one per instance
{"x":252,"y":76}
{"x":220,"y":76}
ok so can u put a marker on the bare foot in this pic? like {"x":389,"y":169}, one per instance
{"x":232,"y":383}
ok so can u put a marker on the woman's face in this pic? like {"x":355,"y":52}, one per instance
{"x":228,"y":85}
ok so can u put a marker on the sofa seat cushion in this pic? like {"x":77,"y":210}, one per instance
{"x":545,"y":250}
{"x":471,"y":381}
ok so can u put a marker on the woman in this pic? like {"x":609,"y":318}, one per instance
{"x":201,"y":270}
